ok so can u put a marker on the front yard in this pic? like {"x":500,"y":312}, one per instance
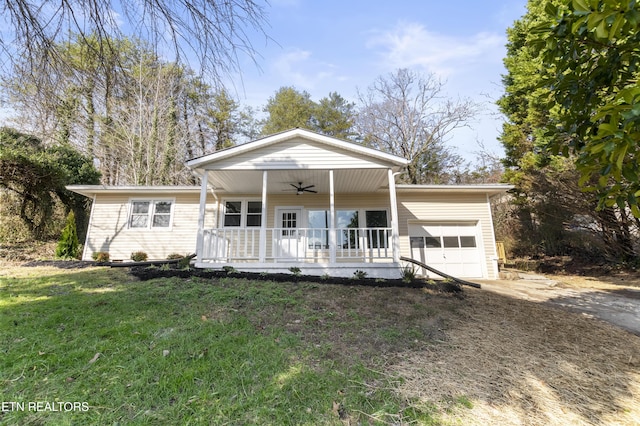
{"x":233,"y":351}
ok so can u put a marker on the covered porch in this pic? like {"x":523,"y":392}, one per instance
{"x":343,"y":222}
{"x":299,"y":199}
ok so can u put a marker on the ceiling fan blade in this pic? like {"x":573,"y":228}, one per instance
{"x":307,"y":187}
{"x":310,"y":190}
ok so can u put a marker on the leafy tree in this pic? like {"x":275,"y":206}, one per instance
{"x":334,"y":116}
{"x":590,"y":49}
{"x":68,"y":246}
{"x":552,"y":215}
{"x":227,"y":122}
{"x":403,"y":113}
{"x":288,"y":109}
{"x":37,"y":175}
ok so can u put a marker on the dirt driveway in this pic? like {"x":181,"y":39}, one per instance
{"x":609,"y":299}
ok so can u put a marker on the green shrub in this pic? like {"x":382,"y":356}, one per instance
{"x":174,"y":256}
{"x":359,"y":275}
{"x":229,"y":269}
{"x":295,"y":271}
{"x":100,"y":256}
{"x":408,"y":274}
{"x":139,"y":256}
{"x":68,"y":247}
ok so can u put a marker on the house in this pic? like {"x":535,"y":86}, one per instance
{"x":299,"y":199}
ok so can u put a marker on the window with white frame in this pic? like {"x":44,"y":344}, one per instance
{"x":150,"y":214}
{"x":348,"y":223}
{"x":238,"y":213}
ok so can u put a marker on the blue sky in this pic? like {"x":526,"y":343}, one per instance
{"x":342,"y":46}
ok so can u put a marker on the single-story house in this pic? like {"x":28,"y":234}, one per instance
{"x":299,"y":199}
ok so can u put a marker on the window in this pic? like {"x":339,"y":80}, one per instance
{"x":150,"y":214}
{"x":377,"y":219}
{"x":348,"y":226}
{"x":232,"y":213}
{"x":242,"y":213}
{"x":467,"y":242}
{"x":254,"y":213}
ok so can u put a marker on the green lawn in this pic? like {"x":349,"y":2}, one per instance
{"x":195,"y":351}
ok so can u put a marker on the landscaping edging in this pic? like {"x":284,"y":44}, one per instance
{"x":146,"y":273}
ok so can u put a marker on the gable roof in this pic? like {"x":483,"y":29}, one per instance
{"x":326,"y":142}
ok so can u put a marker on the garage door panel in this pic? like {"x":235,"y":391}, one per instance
{"x":450,"y":248}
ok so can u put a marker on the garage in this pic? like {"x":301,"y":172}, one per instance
{"x":453,"y":248}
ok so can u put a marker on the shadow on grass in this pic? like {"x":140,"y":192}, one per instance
{"x":192,"y":350}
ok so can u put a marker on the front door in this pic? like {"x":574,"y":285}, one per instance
{"x":288,"y":239}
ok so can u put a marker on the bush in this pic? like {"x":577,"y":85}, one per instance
{"x":100,"y":256}
{"x":174,"y":256}
{"x":68,"y":247}
{"x":408,"y":274}
{"x":139,"y":256}
{"x":295,"y":271}
{"x":359,"y":275}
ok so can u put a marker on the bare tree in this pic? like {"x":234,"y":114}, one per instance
{"x":406,"y":114}
{"x":213,"y":31}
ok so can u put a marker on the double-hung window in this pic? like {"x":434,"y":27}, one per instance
{"x":239,"y":213}
{"x":150,"y":214}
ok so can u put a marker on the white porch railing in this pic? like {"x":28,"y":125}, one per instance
{"x":296,"y":244}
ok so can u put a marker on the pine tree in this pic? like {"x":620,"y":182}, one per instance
{"x":68,"y":243}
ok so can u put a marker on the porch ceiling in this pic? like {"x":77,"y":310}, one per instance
{"x":279,"y":181}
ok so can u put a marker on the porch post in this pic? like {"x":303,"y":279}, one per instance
{"x":332,"y":220}
{"x":263,"y":222}
{"x":395,"y":230}
{"x":203,"y":206}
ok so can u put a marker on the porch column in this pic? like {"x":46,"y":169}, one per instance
{"x":203,"y":207}
{"x":263,"y":222}
{"x":395,"y":230}
{"x":332,"y":220}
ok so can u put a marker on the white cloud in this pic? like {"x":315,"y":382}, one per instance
{"x":298,"y":68}
{"x":412,"y":45}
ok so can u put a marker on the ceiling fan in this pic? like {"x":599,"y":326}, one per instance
{"x":302,"y":189}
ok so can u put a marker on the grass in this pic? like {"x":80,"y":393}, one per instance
{"x":193,"y":351}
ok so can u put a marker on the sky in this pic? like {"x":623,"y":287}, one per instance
{"x":343,"y":46}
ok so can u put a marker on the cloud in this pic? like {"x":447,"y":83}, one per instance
{"x":412,"y":45}
{"x":298,"y":68}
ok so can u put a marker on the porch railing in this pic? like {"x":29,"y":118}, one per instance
{"x":296,"y":244}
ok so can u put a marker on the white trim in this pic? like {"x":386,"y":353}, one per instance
{"x":494,"y":254}
{"x":262,"y":251}
{"x":201,"y":212}
{"x":290,"y":134}
{"x":86,"y":238}
{"x":385,"y":270}
{"x":152,"y":208}
{"x":332,"y":220}
{"x":395,"y":228}
{"x":244,"y":210}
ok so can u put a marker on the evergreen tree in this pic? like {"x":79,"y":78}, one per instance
{"x":68,"y":246}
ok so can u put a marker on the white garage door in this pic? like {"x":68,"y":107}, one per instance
{"x":451,"y":248}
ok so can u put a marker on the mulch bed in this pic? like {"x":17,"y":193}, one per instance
{"x":144,"y":273}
